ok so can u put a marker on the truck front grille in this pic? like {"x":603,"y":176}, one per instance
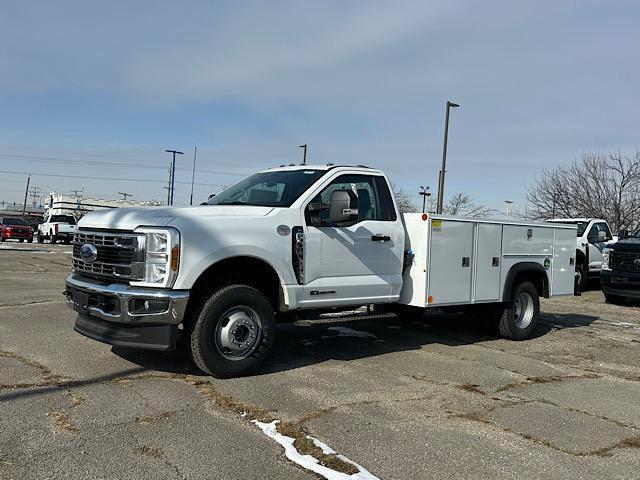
{"x":120,"y":255}
{"x":625,"y":262}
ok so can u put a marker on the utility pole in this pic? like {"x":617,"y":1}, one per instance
{"x":424,"y":192}
{"x":304,"y":158}
{"x":443,"y":168}
{"x":193,"y":173}
{"x":26,"y":192}
{"x":172,"y":180}
{"x":507,"y":212}
{"x":78,"y":193}
{"x":34,"y":194}
{"x":125,"y":195}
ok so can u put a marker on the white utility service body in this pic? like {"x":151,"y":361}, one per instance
{"x":303,"y":238}
{"x":459,"y":261}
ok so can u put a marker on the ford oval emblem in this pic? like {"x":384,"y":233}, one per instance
{"x":89,"y":252}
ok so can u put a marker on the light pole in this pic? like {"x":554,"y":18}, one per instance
{"x":424,"y":191}
{"x":507,"y":211}
{"x":304,"y":158}
{"x":444,"y":157}
{"x":173,"y":173}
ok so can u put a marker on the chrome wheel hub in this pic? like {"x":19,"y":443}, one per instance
{"x":238,"y":332}
{"x":523,"y":310}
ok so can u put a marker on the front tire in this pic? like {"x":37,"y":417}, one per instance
{"x":520,"y":316}
{"x":233,"y":332}
{"x":613,"y":299}
{"x":53,"y":238}
{"x":582,"y":277}
{"x":40,"y":238}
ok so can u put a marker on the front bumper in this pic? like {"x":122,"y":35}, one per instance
{"x":622,"y":284}
{"x":119,"y":314}
{"x":17,"y":235}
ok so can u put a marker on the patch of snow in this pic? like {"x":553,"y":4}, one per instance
{"x":309,"y":462}
{"x":624,"y":324}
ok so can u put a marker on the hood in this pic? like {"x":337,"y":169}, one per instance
{"x":628,"y":244}
{"x":132,"y":218}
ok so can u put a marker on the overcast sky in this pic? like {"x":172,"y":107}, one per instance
{"x":101,"y":89}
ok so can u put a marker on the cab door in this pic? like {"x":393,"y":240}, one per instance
{"x":358,"y":261}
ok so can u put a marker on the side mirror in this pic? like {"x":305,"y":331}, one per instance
{"x":602,"y":236}
{"x":211,"y":196}
{"x":340,"y":210}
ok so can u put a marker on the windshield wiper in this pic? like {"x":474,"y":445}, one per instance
{"x":235,"y":202}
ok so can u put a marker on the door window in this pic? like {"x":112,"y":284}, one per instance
{"x":362,"y":190}
{"x":599,"y":227}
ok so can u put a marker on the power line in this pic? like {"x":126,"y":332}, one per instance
{"x":107,"y":178}
{"x":125,"y":195}
{"x":137,"y":164}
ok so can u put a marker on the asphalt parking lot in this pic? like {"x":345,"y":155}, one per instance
{"x":438,"y":398}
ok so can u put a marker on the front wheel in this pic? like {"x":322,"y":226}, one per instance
{"x":40,"y":238}
{"x":520,"y":316}
{"x":232,"y":332}
{"x":53,"y":238}
{"x":613,"y":299}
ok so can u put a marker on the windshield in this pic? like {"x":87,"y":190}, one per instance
{"x":15,"y":221}
{"x":63,"y":219}
{"x":268,"y":189}
{"x":581,"y":226}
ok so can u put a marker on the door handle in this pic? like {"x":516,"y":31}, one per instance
{"x":380,"y":238}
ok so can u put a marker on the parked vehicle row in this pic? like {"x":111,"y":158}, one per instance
{"x":55,"y":228}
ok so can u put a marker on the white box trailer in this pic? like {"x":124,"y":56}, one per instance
{"x":461,"y":261}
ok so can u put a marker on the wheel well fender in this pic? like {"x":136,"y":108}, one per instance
{"x":526,"y":271}
{"x":581,"y":258}
{"x":245,"y":270}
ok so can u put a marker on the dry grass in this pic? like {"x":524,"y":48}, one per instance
{"x":62,"y":421}
{"x":469,"y":387}
{"x":305,"y":446}
{"x":154,"y":418}
{"x":154,"y":452}
{"x":549,"y":379}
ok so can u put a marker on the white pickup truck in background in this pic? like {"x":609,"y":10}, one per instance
{"x":57,"y":228}
{"x":310,"y":239}
{"x":592,"y":236}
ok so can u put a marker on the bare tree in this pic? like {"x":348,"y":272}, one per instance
{"x":461,"y":204}
{"x":596,"y":186}
{"x":403,"y":199}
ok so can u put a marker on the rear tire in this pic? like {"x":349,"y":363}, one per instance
{"x":520,"y":316}
{"x":613,"y":299}
{"x":30,"y":240}
{"x":233,"y":332}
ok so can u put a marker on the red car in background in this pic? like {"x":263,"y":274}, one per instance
{"x":15,"y":228}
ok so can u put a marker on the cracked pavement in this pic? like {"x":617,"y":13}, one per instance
{"x":431,"y":399}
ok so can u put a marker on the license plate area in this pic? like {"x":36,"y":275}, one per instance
{"x":80,"y":301}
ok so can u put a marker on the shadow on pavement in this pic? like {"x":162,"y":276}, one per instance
{"x":308,"y":343}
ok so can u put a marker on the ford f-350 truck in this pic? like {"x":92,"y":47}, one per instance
{"x":305,"y":239}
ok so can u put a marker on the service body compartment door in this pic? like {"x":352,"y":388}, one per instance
{"x":450,"y":261}
{"x":488,"y":261}
{"x":564,"y":254}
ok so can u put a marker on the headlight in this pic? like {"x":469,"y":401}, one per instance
{"x":606,"y":255}
{"x":161,"y":257}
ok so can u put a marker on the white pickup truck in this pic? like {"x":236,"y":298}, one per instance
{"x":592,"y":236}
{"x":300,"y":238}
{"x":57,"y":228}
